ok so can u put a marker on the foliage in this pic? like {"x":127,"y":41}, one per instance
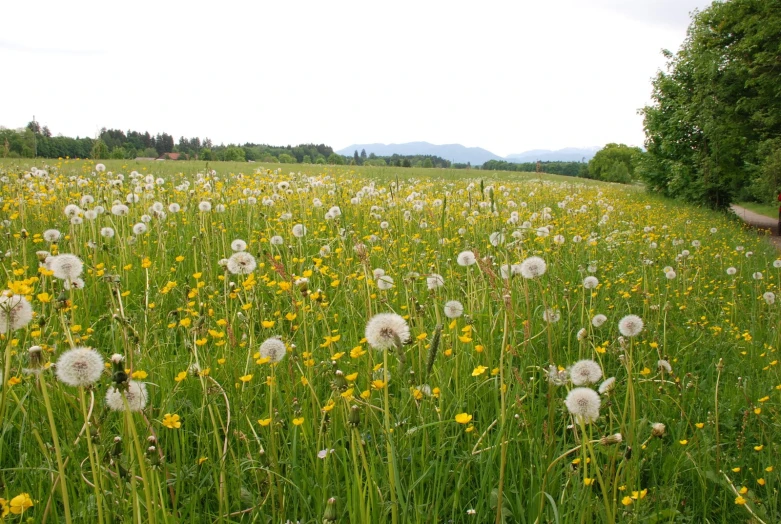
{"x":713,"y":129}
{"x":615,"y":163}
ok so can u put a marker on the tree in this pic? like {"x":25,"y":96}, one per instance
{"x":427,"y":163}
{"x":99,"y":150}
{"x":307,"y":159}
{"x":118,"y":153}
{"x":716,"y":113}
{"x":363,"y":154}
{"x":234,"y":154}
{"x":335,"y":159}
{"x":406,"y":163}
{"x":284,"y":158}
{"x":605,"y":164}
{"x":356,"y":158}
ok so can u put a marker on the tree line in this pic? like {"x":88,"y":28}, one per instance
{"x":35,"y":140}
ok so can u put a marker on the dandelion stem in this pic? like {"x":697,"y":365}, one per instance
{"x":57,"y":450}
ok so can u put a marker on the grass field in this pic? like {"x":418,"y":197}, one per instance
{"x":557,"y":350}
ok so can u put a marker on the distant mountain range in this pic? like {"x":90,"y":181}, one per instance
{"x":475,"y":155}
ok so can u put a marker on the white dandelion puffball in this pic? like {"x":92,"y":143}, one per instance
{"x":238,"y":245}
{"x":582,"y":334}
{"x":630,"y":325}
{"x":607,"y":385}
{"x":277,"y":240}
{"x":770,"y":298}
{"x":433,"y":281}
{"x":107,"y":232}
{"x":66,"y":266}
{"x":72,"y":210}
{"x":757,"y":275}
{"x":496,"y":239}
{"x":51,"y":235}
{"x":136,"y":395}
{"x":174,"y":207}
{"x":299,"y":230}
{"x":386,"y":331}
{"x":584,"y":404}
{"x":120,"y":210}
{"x":731,"y":271}
{"x":533,"y":267}
{"x":80,"y":367}
{"x":551,"y":315}
{"x":139,"y":229}
{"x":15,"y":313}
{"x":664,"y":365}
{"x":466,"y":258}
{"x":777,"y":263}
{"x":670,"y":275}
{"x":584,"y":372}
{"x":205,"y":206}
{"x":241,"y":263}
{"x":453,"y":309}
{"x":378,"y":272}
{"x":385,"y":282}
{"x":598,"y":320}
{"x":274,"y":349}
{"x":590,"y":282}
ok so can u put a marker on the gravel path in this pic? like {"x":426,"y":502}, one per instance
{"x":760,"y":222}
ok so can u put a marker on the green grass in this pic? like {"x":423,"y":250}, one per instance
{"x":465,"y":419}
{"x":768,"y":210}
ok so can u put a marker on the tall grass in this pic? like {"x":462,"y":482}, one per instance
{"x":463,"y":424}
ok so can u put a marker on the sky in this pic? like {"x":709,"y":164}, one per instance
{"x":508,"y":76}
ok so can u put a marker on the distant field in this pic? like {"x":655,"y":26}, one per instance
{"x":554,"y":349}
{"x":169,"y":167}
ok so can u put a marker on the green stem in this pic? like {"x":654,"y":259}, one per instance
{"x":57,"y":451}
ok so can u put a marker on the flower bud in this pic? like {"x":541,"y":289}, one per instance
{"x":330,"y":511}
{"x":355,"y":416}
{"x":611,"y":439}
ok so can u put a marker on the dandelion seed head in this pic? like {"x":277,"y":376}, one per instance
{"x":584,"y":404}
{"x":630,"y":325}
{"x":51,"y":235}
{"x":15,"y":313}
{"x":590,"y":282}
{"x":607,"y":385}
{"x":584,"y":372}
{"x":453,"y":309}
{"x":135,"y":393}
{"x":433,"y":281}
{"x":533,"y":267}
{"x":80,"y":367}
{"x":466,"y":258}
{"x":273,"y":348}
{"x":66,"y":266}
{"x":386,"y":330}
{"x":241,"y":263}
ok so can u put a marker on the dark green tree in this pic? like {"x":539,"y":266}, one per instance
{"x":605,"y":164}
{"x":715,"y":121}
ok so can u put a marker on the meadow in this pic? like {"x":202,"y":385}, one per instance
{"x":185,"y":342}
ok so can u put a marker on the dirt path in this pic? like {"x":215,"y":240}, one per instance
{"x":760,"y":222}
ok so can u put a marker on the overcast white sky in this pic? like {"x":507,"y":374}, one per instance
{"x":508,"y":76}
